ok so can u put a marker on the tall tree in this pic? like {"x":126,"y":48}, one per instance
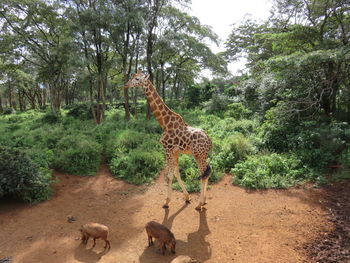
{"x":41,"y":36}
{"x":91,"y":30}
{"x":304,"y":48}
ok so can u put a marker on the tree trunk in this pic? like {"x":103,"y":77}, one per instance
{"x":126,"y":97}
{"x":1,"y":108}
{"x":10,"y":94}
{"x":54,"y":98}
{"x":21,"y":100}
{"x":44,"y":97}
{"x":38,"y":95}
{"x":91,"y":99}
{"x":163,"y":81}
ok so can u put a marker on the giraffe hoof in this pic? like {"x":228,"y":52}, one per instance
{"x":200,"y":207}
{"x":166,"y":179}
{"x":165,"y":206}
{"x":188,"y":201}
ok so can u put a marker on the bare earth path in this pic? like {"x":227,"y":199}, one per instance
{"x":238,"y":226}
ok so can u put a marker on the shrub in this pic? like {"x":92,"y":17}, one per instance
{"x":8,"y":111}
{"x":40,"y":156}
{"x":135,"y":157}
{"x":238,"y":111}
{"x":234,"y":148}
{"x":21,"y":178}
{"x":345,"y":158}
{"x":77,"y":154}
{"x":50,"y":118}
{"x":80,"y":111}
{"x":124,"y":142}
{"x":189,"y":173}
{"x":270,"y":171}
{"x":218,"y":104}
{"x":316,"y":143}
{"x":137,"y":166}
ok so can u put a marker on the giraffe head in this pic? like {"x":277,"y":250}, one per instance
{"x":136,"y":80}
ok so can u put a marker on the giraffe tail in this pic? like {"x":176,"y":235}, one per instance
{"x":206,"y":173}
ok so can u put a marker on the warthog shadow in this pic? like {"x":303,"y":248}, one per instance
{"x":88,"y":255}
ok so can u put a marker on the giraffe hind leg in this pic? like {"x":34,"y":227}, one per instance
{"x":204,"y":170}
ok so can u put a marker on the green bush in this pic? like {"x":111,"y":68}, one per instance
{"x":218,"y":104}
{"x":20,"y":177}
{"x":80,"y":111}
{"x":238,"y":111}
{"x":137,"y":166}
{"x":189,"y":173}
{"x":124,"y":142}
{"x":77,"y":154}
{"x":50,"y":118}
{"x":345,"y":158}
{"x":270,"y":171}
{"x":8,"y":111}
{"x":316,"y":143}
{"x":135,"y":157}
{"x":234,"y":148}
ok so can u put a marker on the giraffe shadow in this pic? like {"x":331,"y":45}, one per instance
{"x":152,"y":254}
{"x":168,"y":221}
{"x":196,"y":246}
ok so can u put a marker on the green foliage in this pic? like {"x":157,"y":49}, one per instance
{"x":234,"y":148}
{"x":217,"y":105}
{"x":77,"y":154}
{"x":8,"y":111}
{"x":238,"y":111}
{"x":20,"y":177}
{"x":189,"y":173}
{"x":135,"y":157}
{"x":50,"y":118}
{"x":345,"y":158}
{"x":316,"y":143}
{"x":270,"y":171}
{"x":193,"y":96}
{"x":80,"y":111}
{"x":138,"y":166}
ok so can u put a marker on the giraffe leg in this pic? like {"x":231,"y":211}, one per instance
{"x":166,"y":175}
{"x":205,"y":190}
{"x":182,"y":185}
{"x":202,"y":196}
{"x":170,"y":182}
{"x":172,"y":158}
{"x":203,"y":166}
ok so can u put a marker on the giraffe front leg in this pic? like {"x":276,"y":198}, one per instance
{"x":170,"y":182}
{"x":182,"y":185}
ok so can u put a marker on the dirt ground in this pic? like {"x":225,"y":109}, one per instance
{"x":238,"y":225}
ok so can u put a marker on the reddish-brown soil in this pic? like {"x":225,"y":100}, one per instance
{"x":238,"y":225}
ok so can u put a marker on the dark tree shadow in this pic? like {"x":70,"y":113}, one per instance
{"x":333,"y":244}
{"x":88,"y":255}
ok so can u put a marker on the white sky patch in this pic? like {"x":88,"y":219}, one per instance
{"x":222,"y":14}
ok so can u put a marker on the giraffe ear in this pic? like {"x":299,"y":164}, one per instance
{"x":139,"y":71}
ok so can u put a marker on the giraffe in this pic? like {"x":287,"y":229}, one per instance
{"x":177,"y":138}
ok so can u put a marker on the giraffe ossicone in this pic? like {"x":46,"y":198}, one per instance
{"x":177,"y":138}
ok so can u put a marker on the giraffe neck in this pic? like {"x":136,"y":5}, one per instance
{"x":163,"y":114}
